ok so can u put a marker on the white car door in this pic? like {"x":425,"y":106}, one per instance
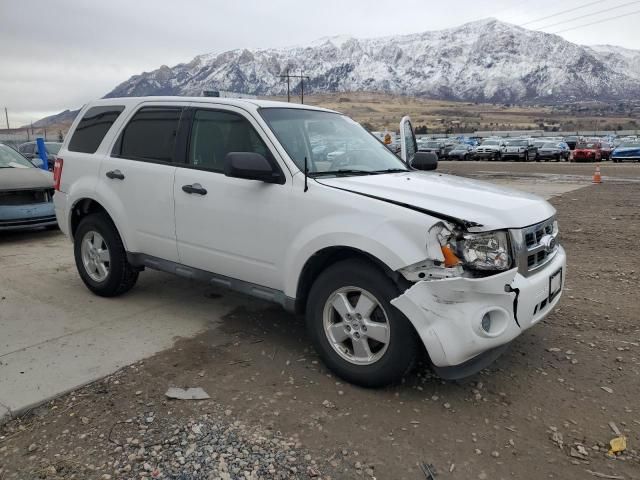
{"x":137,"y":177}
{"x":230,"y":226}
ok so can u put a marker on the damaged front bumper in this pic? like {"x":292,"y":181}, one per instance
{"x":464,"y":319}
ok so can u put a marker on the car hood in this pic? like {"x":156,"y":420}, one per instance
{"x":24,"y":178}
{"x":471,"y":201}
{"x":626,"y":149}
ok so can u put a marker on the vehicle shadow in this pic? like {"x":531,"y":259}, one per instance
{"x":11,"y":237}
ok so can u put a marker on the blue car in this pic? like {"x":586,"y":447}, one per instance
{"x":26,"y":193}
{"x":626,"y":151}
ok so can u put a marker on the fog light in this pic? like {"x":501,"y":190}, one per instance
{"x":486,"y":322}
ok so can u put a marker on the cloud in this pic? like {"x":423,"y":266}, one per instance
{"x":59,"y":55}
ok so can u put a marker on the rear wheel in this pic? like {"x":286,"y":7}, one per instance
{"x":100,"y":257}
{"x":357,"y":332}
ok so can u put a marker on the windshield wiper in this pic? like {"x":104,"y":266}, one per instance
{"x":344,"y":171}
{"x":390,"y":170}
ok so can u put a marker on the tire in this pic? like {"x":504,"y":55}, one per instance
{"x":496,"y":156}
{"x":120,"y":276}
{"x":465,"y":158}
{"x":526,"y":157}
{"x":335,"y":285}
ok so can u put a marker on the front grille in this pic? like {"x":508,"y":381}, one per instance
{"x":26,"y":197}
{"x":531,"y":252}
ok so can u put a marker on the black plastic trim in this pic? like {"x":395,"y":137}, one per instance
{"x":472,"y":366}
{"x":248,"y":288}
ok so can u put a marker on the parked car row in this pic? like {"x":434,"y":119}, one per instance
{"x":30,"y":151}
{"x":523,"y":149}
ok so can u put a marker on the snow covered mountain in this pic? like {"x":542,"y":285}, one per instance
{"x":487,"y":60}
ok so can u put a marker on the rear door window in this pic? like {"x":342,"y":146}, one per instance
{"x":150,"y":135}
{"x":216,"y":133}
{"x":93,"y":127}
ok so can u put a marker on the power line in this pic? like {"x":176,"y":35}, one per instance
{"x":589,"y":15}
{"x":596,"y":22}
{"x":560,"y":13}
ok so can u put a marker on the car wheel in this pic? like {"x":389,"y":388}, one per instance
{"x":360,"y":336}
{"x":465,"y":157}
{"x":496,"y":156}
{"x":526,"y":157}
{"x":100,"y":257}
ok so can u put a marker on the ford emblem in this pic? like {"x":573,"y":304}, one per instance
{"x":548,"y":242}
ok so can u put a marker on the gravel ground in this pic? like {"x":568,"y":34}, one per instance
{"x":546,"y":409}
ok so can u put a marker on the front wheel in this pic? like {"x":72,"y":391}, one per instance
{"x":100,"y":257}
{"x":357,"y":332}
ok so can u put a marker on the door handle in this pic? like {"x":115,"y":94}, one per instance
{"x":113,"y":174}
{"x":195,"y":188}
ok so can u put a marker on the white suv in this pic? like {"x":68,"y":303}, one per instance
{"x":301,"y":206}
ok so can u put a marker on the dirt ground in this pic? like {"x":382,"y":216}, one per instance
{"x":546,"y":409}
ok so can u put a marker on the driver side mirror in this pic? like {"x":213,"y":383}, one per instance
{"x":425,"y":161}
{"x":251,"y":166}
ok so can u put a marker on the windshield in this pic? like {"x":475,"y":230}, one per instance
{"x":630,"y":145}
{"x":331,"y":142}
{"x":490,"y":142}
{"x":550,"y":145}
{"x":588,"y":146}
{"x":432,"y":144}
{"x":460,"y":146}
{"x":53,"y":147}
{"x":518,"y":143}
{"x":9,"y":158}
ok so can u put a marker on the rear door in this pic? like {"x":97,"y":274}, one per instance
{"x":230,"y":226}
{"x":137,"y":178}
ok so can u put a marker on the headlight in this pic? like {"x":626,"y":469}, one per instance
{"x":483,"y":251}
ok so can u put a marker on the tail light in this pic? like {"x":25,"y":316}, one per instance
{"x":57,"y":173}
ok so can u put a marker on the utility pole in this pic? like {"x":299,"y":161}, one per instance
{"x":6,"y":115}
{"x":288,"y":83}
{"x":288,"y":76}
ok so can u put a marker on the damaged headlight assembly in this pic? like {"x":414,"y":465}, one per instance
{"x":454,"y":252}
{"x":483,"y":251}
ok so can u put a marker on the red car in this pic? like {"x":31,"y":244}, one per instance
{"x":605,"y":150}
{"x":588,"y":152}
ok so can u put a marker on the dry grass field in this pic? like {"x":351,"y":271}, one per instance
{"x":382,"y":111}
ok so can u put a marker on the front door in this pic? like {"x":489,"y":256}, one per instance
{"x":229,"y":226}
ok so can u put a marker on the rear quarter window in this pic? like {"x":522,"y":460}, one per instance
{"x":93,"y":127}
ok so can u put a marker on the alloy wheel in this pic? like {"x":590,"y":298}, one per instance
{"x":96,"y":258}
{"x":356,"y":325}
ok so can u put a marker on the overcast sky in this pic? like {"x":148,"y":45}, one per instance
{"x":60,"y":54}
